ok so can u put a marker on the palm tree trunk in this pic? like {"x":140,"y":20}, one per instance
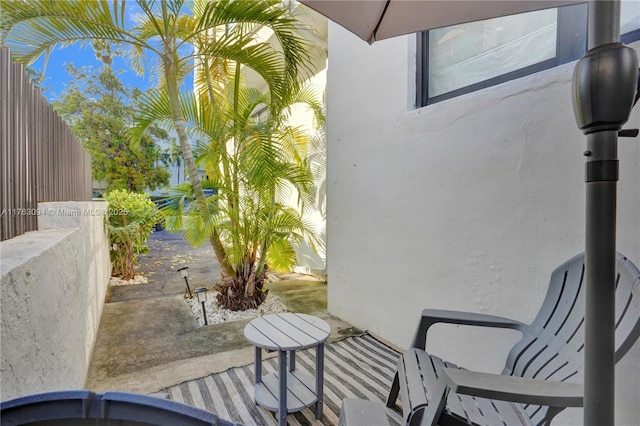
{"x":190,"y":164}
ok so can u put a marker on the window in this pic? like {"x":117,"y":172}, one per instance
{"x":261,"y":115}
{"x":467,"y":57}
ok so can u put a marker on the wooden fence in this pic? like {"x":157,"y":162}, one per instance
{"x":40,"y":159}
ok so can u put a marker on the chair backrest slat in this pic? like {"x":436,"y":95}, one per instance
{"x":562,"y":299}
{"x":627,"y":306}
{"x":552,"y":347}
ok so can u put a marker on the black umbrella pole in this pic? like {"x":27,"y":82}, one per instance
{"x":600,"y":249}
{"x":604,"y":87}
{"x":600,"y":246}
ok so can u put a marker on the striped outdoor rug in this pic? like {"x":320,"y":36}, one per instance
{"x":356,"y":367}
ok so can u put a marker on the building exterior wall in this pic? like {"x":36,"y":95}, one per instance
{"x":313,"y":28}
{"x":467,"y":204}
{"x":309,"y":260}
{"x":53,"y":286}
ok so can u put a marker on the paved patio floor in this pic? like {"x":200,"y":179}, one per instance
{"x":355,"y":367}
{"x":148,"y":340}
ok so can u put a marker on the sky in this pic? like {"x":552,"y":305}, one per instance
{"x":57,"y":77}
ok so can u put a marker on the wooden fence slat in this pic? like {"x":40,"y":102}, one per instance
{"x":40,"y":159}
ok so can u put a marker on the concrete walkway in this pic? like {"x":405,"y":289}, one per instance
{"x":148,"y":339}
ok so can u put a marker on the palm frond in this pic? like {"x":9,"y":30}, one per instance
{"x":307,"y":96}
{"x":31,"y":28}
{"x":153,"y":107}
{"x":266,"y":13}
{"x":281,"y":256}
{"x":294,"y":141}
{"x":262,"y":58}
{"x":196,"y":229}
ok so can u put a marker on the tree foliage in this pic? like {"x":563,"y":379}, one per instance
{"x":130,"y":222}
{"x":246,"y":220}
{"x":255,"y":165}
{"x":176,"y":35}
{"x":99,"y":110}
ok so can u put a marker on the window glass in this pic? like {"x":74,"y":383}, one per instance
{"x":465,"y":54}
{"x":460,"y":59}
{"x":261,"y":115}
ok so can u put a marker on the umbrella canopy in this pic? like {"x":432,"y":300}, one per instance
{"x":374,"y":20}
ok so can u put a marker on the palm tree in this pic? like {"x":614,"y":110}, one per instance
{"x":166,"y":31}
{"x":254,"y":165}
{"x":174,"y":156}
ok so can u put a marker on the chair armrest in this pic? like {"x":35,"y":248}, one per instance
{"x":434,"y":316}
{"x":514,"y":389}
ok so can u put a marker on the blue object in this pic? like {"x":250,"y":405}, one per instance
{"x":83,"y":407}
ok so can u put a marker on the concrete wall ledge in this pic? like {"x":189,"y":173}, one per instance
{"x":53,"y":283}
{"x":19,"y":250}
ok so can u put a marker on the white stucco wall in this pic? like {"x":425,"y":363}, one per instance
{"x":468,"y":204}
{"x":312,"y":27}
{"x":53,"y":285}
{"x":309,"y":260}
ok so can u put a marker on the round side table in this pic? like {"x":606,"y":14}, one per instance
{"x":288,"y":390}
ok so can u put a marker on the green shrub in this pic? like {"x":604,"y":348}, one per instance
{"x":131,"y":220}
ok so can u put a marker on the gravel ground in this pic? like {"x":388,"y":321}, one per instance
{"x":215,"y":314}
{"x":138,"y":279}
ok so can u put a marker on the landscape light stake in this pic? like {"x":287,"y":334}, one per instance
{"x":202,"y":297}
{"x":184,"y":273}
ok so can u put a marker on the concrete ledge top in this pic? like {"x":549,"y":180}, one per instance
{"x":18,"y":250}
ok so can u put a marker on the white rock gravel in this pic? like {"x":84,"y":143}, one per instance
{"x":216,"y":314}
{"x":138,"y":279}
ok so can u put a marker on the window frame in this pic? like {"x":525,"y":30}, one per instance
{"x":571,"y":44}
{"x":631,"y":36}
